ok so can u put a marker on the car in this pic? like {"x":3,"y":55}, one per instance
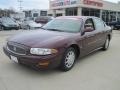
{"x":30,"y":25}
{"x":43,"y":19}
{"x":7,"y":23}
{"x":19,"y":22}
{"x":115,"y":25}
{"x":59,"y":43}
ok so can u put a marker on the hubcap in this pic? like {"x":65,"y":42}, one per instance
{"x":107,"y":43}
{"x":70,"y":58}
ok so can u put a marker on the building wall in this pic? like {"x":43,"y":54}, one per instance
{"x":108,"y":11}
{"x":35,"y":13}
{"x":111,"y":6}
{"x":106,"y":5}
{"x":80,"y":4}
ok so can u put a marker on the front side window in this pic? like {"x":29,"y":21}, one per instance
{"x":65,"y":25}
{"x":99,"y":24}
{"x":35,"y":15}
{"x":89,"y":23}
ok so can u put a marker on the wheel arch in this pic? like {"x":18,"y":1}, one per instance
{"x":77,"y":49}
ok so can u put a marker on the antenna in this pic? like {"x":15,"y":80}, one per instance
{"x":20,"y":4}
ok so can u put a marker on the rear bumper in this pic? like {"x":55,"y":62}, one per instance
{"x":117,"y":26}
{"x":37,"y":62}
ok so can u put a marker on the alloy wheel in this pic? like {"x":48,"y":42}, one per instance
{"x":70,"y":59}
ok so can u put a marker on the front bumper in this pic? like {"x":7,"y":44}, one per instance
{"x":37,"y":62}
{"x":10,"y":28}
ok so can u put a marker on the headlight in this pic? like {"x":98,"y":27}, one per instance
{"x":42,"y":51}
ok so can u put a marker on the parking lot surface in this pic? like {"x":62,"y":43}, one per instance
{"x":97,"y":71}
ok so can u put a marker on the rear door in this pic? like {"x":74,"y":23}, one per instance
{"x":101,"y":32}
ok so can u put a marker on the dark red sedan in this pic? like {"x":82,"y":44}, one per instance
{"x":60,"y":42}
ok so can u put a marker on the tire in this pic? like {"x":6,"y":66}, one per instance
{"x":2,"y":28}
{"x":68,"y":59}
{"x":106,"y":45}
{"x":112,"y":27}
{"x":118,"y":28}
{"x":17,"y":28}
{"x":28,"y":27}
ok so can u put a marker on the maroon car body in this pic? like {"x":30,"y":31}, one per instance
{"x":84,"y":42}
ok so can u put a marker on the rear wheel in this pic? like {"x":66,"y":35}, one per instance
{"x":68,"y":59}
{"x":106,"y":45}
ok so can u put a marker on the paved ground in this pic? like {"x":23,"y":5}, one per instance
{"x":98,"y":71}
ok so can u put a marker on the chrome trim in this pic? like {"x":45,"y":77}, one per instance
{"x":18,"y":45}
{"x":14,"y":52}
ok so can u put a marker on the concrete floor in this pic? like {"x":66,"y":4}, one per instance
{"x":98,"y":71}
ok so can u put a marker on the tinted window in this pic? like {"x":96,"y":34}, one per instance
{"x":43,"y":13}
{"x":66,"y":25}
{"x":35,"y":15}
{"x":99,"y":24}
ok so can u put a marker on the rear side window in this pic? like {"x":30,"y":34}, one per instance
{"x":99,"y":24}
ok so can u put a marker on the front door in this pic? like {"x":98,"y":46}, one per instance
{"x":89,"y":39}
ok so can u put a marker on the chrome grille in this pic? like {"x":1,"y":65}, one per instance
{"x":15,"y":48}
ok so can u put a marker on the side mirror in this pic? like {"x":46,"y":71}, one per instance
{"x":88,"y":29}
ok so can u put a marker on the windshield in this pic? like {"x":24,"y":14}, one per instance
{"x":8,"y":21}
{"x":65,"y":25}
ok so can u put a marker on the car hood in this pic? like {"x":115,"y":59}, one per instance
{"x":8,"y":24}
{"x":35,"y":25}
{"x":40,"y":38}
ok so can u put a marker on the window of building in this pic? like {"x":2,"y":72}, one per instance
{"x":59,"y":14}
{"x":109,"y":16}
{"x":118,"y":17}
{"x":71,"y":12}
{"x":50,"y":14}
{"x":35,"y":14}
{"x":90,"y":12}
{"x":43,"y":13}
{"x":27,"y":13}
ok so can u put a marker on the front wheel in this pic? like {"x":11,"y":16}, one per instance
{"x":106,"y":45}
{"x":28,"y":28}
{"x":1,"y":28}
{"x":68,"y":60}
